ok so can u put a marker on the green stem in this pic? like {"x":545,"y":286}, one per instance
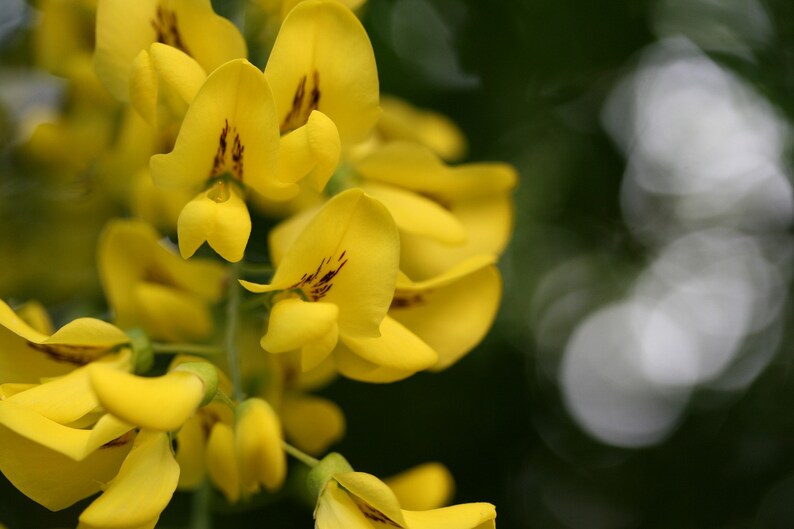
{"x":188,"y":348}
{"x":301,"y":456}
{"x":199,"y":510}
{"x":232,"y":313}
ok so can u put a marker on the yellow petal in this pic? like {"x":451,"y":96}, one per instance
{"x":142,"y":488}
{"x":258,"y":438}
{"x":164,"y":80}
{"x":396,"y":348}
{"x":345,"y":256}
{"x":337,"y":510}
{"x":162,"y":403}
{"x":222,"y":463}
{"x":67,"y":398}
{"x":284,"y":234}
{"x":453,"y":312}
{"x":71,"y":442}
{"x":294,"y":322}
{"x":401,"y":121}
{"x":27,"y":355}
{"x":311,"y":151}
{"x":353,"y":366}
{"x":314,"y":353}
{"x":133,"y":263}
{"x":34,"y":314}
{"x":125,"y":28}
{"x":418,"y":215}
{"x":312,"y":423}
{"x":465,"y":516}
{"x":230,"y":127}
{"x":370,"y":494}
{"x":488,"y":222}
{"x":322,"y":60}
{"x":218,"y":216}
{"x":424,"y":487}
{"x":190,"y":453}
{"x":415,"y":167}
{"x":53,"y":479}
{"x":171,"y":314}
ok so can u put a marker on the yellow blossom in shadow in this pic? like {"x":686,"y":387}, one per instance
{"x":149,"y":286}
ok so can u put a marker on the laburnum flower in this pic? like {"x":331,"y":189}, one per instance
{"x":28,"y":355}
{"x":239,"y":456}
{"x":423,"y":487}
{"x":445,"y":214}
{"x":310,"y":422}
{"x":149,"y":286}
{"x":337,"y":280}
{"x":357,"y":500}
{"x":401,"y":121}
{"x":161,"y":403}
{"x":325,"y":84}
{"x":62,"y":40}
{"x":281,"y":8}
{"x":449,"y":313}
{"x":228,"y":139}
{"x":125,"y":30}
{"x":57,"y":446}
{"x":141,"y":489}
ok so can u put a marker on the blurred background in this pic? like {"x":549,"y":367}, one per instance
{"x":639,"y":374}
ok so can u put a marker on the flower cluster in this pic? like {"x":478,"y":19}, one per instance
{"x":382,"y":264}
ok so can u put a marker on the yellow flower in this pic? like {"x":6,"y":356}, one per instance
{"x":443,"y":316}
{"x":163,"y":82}
{"x":58,"y":445}
{"x":228,"y":139}
{"x":257,"y":437}
{"x":124,"y":29}
{"x":423,"y":487}
{"x":149,"y":286}
{"x":356,"y":500}
{"x":27,"y":355}
{"x":62,"y":39}
{"x":463,"y":211}
{"x":311,"y":423}
{"x":449,"y":313}
{"x":140,"y":491}
{"x":403,"y":122}
{"x":338,"y":279}
{"x":162,"y":403}
{"x":326,"y":94}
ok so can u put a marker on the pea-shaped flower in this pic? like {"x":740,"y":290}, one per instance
{"x":326,"y":93}
{"x":228,"y":142}
{"x":337,"y":279}
{"x":357,"y":500}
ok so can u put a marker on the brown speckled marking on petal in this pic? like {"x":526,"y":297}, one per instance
{"x":79,"y":355}
{"x":404,"y":300}
{"x":166,"y":29}
{"x":119,"y":441}
{"x":317,"y":284}
{"x":226,"y":160}
{"x":301,"y":105}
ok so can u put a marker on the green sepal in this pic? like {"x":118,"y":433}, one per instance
{"x":333,"y":463}
{"x":208,"y":374}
